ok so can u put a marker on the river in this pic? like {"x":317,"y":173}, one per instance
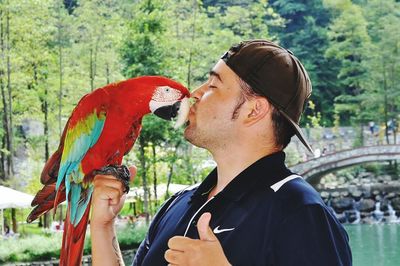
{"x":375,"y":244}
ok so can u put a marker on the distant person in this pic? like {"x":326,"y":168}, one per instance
{"x":371,"y":125}
{"x":8,"y":232}
{"x":251,"y":209}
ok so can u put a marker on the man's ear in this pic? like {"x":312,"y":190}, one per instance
{"x":257,"y":109}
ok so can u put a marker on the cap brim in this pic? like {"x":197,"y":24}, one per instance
{"x":299,"y":132}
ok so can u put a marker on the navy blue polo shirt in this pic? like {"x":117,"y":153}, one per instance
{"x":265,"y":216}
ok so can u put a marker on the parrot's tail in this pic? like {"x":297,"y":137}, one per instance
{"x":45,"y":200}
{"x":48,"y":197}
{"x":73,"y":239}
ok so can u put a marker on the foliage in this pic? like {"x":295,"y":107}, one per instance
{"x":61,"y":50}
{"x":27,"y":249}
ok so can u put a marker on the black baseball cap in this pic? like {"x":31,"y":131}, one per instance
{"x":275,"y":73}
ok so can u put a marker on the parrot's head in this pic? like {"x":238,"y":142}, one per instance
{"x":170,"y":100}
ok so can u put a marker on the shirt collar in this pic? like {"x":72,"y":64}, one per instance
{"x":265,"y":172}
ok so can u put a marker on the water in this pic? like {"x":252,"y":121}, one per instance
{"x":375,"y":244}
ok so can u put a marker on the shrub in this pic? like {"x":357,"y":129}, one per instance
{"x":45,"y":247}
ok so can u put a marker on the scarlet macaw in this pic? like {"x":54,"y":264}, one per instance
{"x":101,"y":129}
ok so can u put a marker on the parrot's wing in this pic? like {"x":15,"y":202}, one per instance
{"x":82,"y":133}
{"x":84,"y":126}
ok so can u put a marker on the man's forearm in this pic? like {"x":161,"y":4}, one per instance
{"x":105,"y":247}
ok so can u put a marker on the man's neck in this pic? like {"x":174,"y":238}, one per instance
{"x":230,"y":163}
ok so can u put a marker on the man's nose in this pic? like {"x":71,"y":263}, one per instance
{"x":196,"y":94}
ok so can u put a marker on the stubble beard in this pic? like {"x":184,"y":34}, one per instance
{"x":211,"y":139}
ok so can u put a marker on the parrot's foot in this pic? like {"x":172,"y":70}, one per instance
{"x":121,"y":172}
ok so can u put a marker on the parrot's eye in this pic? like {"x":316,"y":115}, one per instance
{"x":166,"y":89}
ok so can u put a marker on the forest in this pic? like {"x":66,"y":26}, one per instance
{"x":53,"y":52}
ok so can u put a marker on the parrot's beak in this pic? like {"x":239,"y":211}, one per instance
{"x":177,"y":111}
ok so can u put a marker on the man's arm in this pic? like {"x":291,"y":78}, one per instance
{"x":107,"y":201}
{"x":105,"y":247}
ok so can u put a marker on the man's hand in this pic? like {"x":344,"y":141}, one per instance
{"x":108,"y":198}
{"x":206,"y":251}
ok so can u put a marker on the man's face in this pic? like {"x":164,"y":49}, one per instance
{"x":212,"y":119}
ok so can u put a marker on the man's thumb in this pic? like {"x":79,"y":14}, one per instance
{"x":203,"y":227}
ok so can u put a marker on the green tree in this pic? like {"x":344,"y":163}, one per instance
{"x":143,"y":54}
{"x":382,"y":90}
{"x":349,"y":43}
{"x":306,"y":35}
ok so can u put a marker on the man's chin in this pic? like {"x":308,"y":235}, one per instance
{"x":189,"y":135}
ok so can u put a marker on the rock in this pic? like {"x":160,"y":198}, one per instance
{"x":325,"y":195}
{"x":386,"y":213}
{"x":376,"y":192}
{"x":365,"y":175}
{"x":367,"y":195}
{"x":384,"y":205}
{"x":356,"y":194}
{"x":366,"y":205}
{"x":351,"y":216}
{"x":344,"y":194}
{"x":396,"y":203}
{"x":364,"y":215}
{"x":335,"y":194}
{"x":390,"y":196}
{"x":342,"y":204}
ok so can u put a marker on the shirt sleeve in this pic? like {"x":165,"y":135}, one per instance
{"x":311,"y":236}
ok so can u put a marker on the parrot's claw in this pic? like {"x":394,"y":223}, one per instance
{"x":121,"y":172}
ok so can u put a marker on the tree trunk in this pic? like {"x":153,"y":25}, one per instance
{"x":189,"y":168}
{"x":385,"y":103}
{"x":60,"y":72}
{"x":189,"y":73}
{"x":153,"y":148}
{"x":93,"y":62}
{"x":5,"y":140}
{"x":107,"y":73}
{"x":10,"y":127}
{"x":171,"y":169}
{"x":4,"y":116}
{"x":14,"y":220}
{"x":45,"y":111}
{"x":91,"y":70}
{"x":142,"y":160}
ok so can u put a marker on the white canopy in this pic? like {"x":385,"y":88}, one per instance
{"x":10,"y":198}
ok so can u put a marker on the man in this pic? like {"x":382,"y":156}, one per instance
{"x":251,"y":209}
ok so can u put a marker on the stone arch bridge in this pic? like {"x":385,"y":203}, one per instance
{"x":312,"y":170}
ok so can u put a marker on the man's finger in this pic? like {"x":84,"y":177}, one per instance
{"x":133,"y":171}
{"x":179,"y":243}
{"x":203,"y":227}
{"x":173,"y":256}
{"x":105,"y":181}
{"x":110,"y":194}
